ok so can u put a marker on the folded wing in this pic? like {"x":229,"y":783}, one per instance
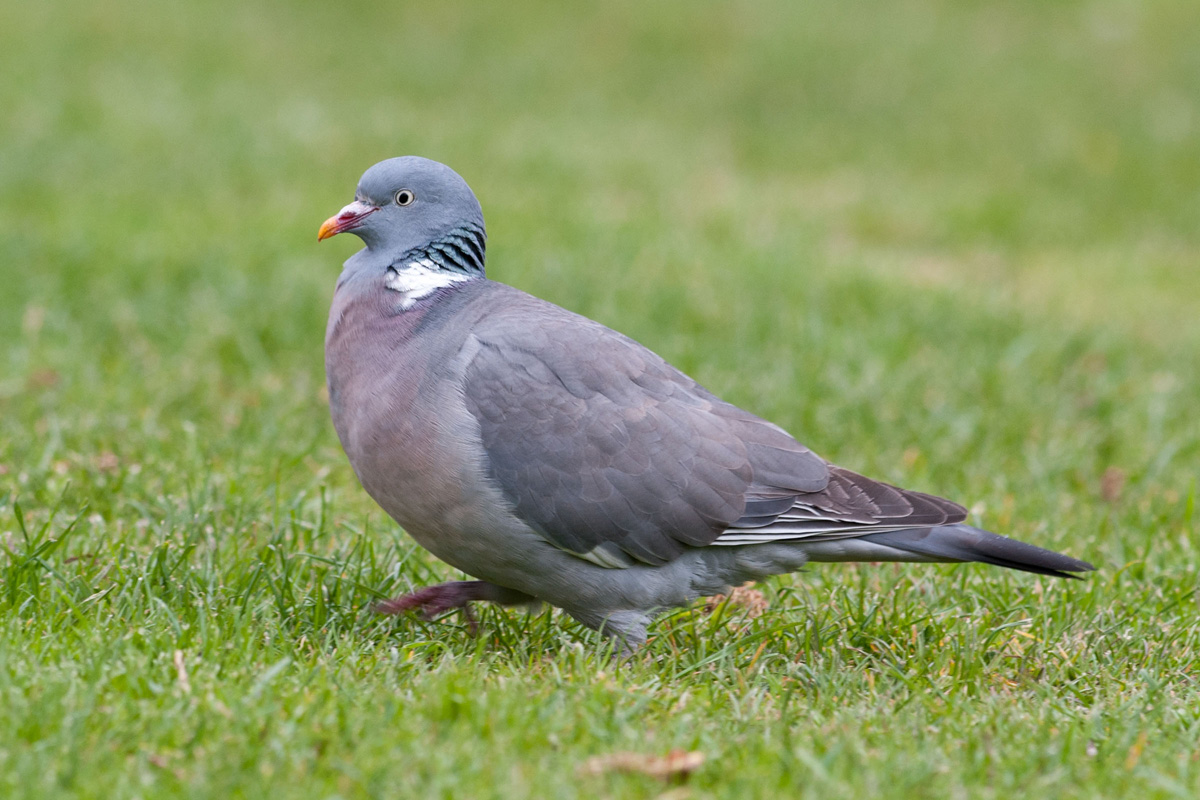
{"x":614,"y":455}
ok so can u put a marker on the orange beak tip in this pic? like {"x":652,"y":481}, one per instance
{"x":328,"y":228}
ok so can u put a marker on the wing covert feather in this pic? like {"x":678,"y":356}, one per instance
{"x":614,"y":455}
{"x":598,"y":442}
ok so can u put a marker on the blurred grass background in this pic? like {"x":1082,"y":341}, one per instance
{"x":950,"y":244}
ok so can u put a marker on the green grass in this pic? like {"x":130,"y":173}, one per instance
{"x":953,"y":245}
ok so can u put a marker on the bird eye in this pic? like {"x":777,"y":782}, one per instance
{"x":405,"y":197}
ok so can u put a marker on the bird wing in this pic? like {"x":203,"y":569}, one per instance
{"x":608,"y":451}
{"x":614,"y":455}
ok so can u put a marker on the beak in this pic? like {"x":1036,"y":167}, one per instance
{"x":347,"y":219}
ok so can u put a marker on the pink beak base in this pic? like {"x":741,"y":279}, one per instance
{"x":347,"y":219}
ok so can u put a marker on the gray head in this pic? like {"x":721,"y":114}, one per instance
{"x":411,"y":206}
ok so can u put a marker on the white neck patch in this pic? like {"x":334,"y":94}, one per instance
{"x":418,"y":279}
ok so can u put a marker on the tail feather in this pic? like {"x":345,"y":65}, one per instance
{"x":964,"y":543}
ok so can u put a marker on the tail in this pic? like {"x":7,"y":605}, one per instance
{"x":964,"y":543}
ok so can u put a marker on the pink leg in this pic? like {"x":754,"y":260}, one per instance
{"x":434,"y":600}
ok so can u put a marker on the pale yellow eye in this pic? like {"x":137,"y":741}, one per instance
{"x":405,"y":197}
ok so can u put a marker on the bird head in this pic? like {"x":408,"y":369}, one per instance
{"x":404,"y":204}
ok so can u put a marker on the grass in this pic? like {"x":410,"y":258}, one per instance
{"x":951,"y":245}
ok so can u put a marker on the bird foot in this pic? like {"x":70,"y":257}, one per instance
{"x":435,"y":600}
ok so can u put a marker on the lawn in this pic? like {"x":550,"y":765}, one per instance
{"x":952,"y":245}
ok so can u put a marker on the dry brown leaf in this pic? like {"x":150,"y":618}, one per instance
{"x":747,"y":597}
{"x":42,"y":378}
{"x":107,"y":461}
{"x":675,"y":765}
{"x":1112,"y":482}
{"x":162,"y":763}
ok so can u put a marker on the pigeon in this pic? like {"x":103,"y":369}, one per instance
{"x":558,"y":461}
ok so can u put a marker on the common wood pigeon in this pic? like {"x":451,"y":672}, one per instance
{"x":557,"y":460}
